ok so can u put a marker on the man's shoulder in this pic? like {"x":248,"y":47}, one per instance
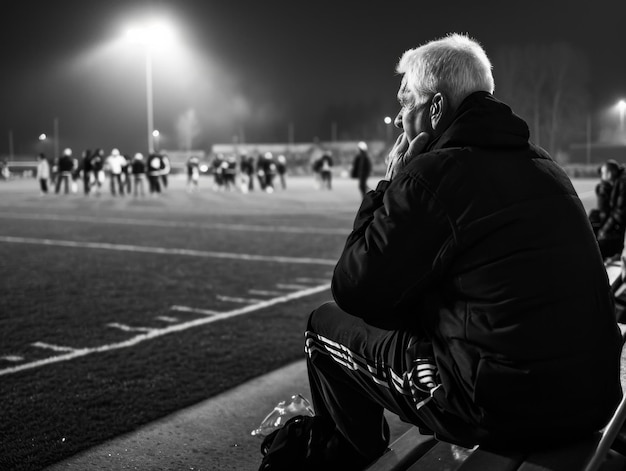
{"x":434,"y":163}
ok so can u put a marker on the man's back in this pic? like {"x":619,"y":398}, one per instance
{"x":500,"y":251}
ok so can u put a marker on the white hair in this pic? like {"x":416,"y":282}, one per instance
{"x":455,"y":65}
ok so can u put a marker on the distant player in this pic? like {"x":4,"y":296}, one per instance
{"x":155,"y":164}
{"x":43,"y":173}
{"x":165,"y":169}
{"x":193,"y":173}
{"x":65,"y":169}
{"x":138,"y":171}
{"x":97,"y":169}
{"x":281,"y":167}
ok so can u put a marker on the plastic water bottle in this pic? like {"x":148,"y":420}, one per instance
{"x":284,"y":410}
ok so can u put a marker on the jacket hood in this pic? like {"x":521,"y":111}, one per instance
{"x":483,"y":121}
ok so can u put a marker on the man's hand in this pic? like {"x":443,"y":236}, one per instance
{"x":403,"y":151}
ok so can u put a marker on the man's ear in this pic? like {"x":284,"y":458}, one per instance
{"x":438,"y":109}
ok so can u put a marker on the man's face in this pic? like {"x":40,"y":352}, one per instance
{"x":413,"y":117}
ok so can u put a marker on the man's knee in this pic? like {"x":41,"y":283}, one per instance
{"x":322,"y":316}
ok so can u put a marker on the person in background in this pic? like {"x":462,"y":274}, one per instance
{"x":269,"y":172}
{"x":229,"y":172}
{"x":165,"y":169}
{"x":97,"y":169}
{"x":326,"y":170}
{"x":138,"y":172}
{"x":76,"y":174}
{"x":260,"y":171}
{"x":612,"y":229}
{"x":193,"y":173}
{"x":127,"y":173}
{"x":86,"y":171}
{"x":65,"y":169}
{"x":246,"y":165}
{"x":217,"y":168}
{"x":362,"y":167}
{"x":465,"y":301}
{"x":5,"y":173}
{"x":154,"y":166}
{"x":114,"y":164}
{"x":43,"y":173}
{"x":281,"y":167}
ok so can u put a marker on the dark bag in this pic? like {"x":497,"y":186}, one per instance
{"x":303,"y":443}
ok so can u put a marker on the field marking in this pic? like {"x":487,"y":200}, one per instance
{"x":128,"y":328}
{"x":12,"y":358}
{"x":158,"y":223}
{"x":193,"y":310}
{"x":169,"y":319}
{"x":310,"y":280}
{"x":289,"y":286}
{"x":233,"y":299}
{"x":56,"y":348}
{"x":166,"y":251}
{"x":264,"y":292}
{"x":155,"y":333}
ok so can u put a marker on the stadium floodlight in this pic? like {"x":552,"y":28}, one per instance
{"x":152,"y":35}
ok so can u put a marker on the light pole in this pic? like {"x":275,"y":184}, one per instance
{"x":150,"y":36}
{"x":156,"y":135}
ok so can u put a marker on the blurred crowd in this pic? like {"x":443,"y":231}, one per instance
{"x":134,"y":175}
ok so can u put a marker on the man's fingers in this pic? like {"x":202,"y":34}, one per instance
{"x":398,"y":148}
{"x":418,"y":144}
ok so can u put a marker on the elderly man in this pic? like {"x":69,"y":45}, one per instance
{"x":470,"y":298}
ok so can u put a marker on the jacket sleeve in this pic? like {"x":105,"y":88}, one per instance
{"x":395,"y":251}
{"x":617,"y":217}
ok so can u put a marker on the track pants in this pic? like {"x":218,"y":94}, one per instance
{"x":357,"y":370}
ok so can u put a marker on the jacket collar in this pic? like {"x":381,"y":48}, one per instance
{"x":483,"y":121}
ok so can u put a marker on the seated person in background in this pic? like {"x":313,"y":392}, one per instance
{"x":598,"y":215}
{"x":470,"y":298}
{"x":610,"y":234}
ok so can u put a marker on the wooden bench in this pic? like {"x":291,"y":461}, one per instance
{"x":605,"y":450}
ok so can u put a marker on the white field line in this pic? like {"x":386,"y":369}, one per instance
{"x":264,"y":292}
{"x":310,"y":280}
{"x":12,"y":358}
{"x":128,"y":328}
{"x":56,"y":348}
{"x":177,"y":224}
{"x":155,"y":333}
{"x":168,"y":319}
{"x":206,"y":312}
{"x":238,"y":300}
{"x":290,"y":286}
{"x":166,"y":251}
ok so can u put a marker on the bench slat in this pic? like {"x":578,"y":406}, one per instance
{"x":481,"y":460}
{"x":573,"y":456}
{"x":404,"y":451}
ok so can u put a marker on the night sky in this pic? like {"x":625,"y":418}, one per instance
{"x":253,"y":67}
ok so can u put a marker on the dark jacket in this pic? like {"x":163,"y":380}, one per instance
{"x":66,"y":164}
{"x":361,"y":166}
{"x":482,"y":245}
{"x":138,"y":167}
{"x":615,"y":224}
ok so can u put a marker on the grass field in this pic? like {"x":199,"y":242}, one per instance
{"x":118,"y":311}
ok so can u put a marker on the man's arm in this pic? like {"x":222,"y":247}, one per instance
{"x":395,"y":249}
